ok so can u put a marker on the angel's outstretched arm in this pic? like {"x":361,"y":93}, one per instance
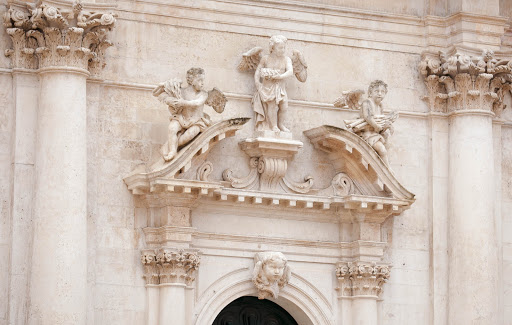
{"x":184,"y":103}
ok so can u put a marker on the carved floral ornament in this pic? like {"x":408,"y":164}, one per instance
{"x":361,"y":279}
{"x":459,"y":81}
{"x":57,"y":36}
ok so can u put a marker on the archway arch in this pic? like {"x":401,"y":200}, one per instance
{"x":301,"y":306}
{"x":251,"y":310}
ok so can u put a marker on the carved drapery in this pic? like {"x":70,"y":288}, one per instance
{"x":458,"y":81}
{"x":46,"y":36}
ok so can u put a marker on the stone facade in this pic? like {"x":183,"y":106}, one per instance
{"x":379,"y":209}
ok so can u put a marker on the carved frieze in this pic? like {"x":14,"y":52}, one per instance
{"x":170,"y":265}
{"x":361,"y":279}
{"x":271,"y":273}
{"x":458,"y":81}
{"x":70,"y":37}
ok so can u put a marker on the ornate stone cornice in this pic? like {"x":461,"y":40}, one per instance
{"x":361,"y":279}
{"x":170,"y":265}
{"x":459,"y":80}
{"x":47,"y":36}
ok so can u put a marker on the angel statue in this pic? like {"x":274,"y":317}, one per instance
{"x":271,"y":71}
{"x":373,"y":125}
{"x":186,"y":107}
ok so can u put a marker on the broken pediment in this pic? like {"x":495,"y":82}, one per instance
{"x":163,"y":173}
{"x":362,"y":183}
{"x":359,"y":169}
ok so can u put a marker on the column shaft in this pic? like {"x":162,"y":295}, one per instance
{"x":364,"y":311}
{"x":172,"y":304}
{"x":473,"y":261}
{"x":59,"y":260}
{"x":152,"y":304}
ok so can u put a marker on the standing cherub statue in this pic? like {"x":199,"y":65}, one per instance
{"x":271,"y":71}
{"x":372,"y":125}
{"x":186,"y":106}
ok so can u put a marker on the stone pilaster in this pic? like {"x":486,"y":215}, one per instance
{"x":469,"y":89}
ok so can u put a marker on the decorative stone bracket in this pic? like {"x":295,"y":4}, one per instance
{"x":71,"y":37}
{"x":269,"y":163}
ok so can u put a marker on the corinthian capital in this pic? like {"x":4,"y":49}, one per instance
{"x":362,"y":279}
{"x":459,"y":81}
{"x":47,"y":36}
{"x":169,"y":265}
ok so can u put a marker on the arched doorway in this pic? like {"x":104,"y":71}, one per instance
{"x":252,"y":311}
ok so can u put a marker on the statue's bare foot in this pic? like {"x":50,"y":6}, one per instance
{"x":284,"y":128}
{"x":169,"y":156}
{"x":276,"y":129}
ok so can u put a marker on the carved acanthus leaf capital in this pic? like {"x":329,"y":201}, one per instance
{"x":458,"y":81}
{"x":47,"y":36}
{"x":170,"y":265}
{"x":362,"y":279}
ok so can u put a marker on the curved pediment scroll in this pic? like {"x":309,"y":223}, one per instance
{"x":351,"y":155}
{"x":141,"y":178}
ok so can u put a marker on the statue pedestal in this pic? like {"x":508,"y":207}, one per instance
{"x":272,"y":154}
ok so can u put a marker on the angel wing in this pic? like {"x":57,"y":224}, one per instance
{"x":300,"y":67}
{"x":349,"y":99}
{"x":217,"y":100}
{"x":250,"y":59}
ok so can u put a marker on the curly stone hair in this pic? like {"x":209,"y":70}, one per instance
{"x":375,"y":84}
{"x":192,"y":73}
{"x":275,"y":40}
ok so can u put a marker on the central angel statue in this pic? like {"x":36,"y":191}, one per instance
{"x":271,"y":71}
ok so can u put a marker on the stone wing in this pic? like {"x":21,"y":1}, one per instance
{"x":217,"y":100}
{"x":300,"y":67}
{"x":250,"y":59}
{"x":349,"y":99}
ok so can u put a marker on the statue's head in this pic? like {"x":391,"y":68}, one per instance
{"x":273,"y":266}
{"x":278,"y":45}
{"x":377,"y":91}
{"x":195,"y":78}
